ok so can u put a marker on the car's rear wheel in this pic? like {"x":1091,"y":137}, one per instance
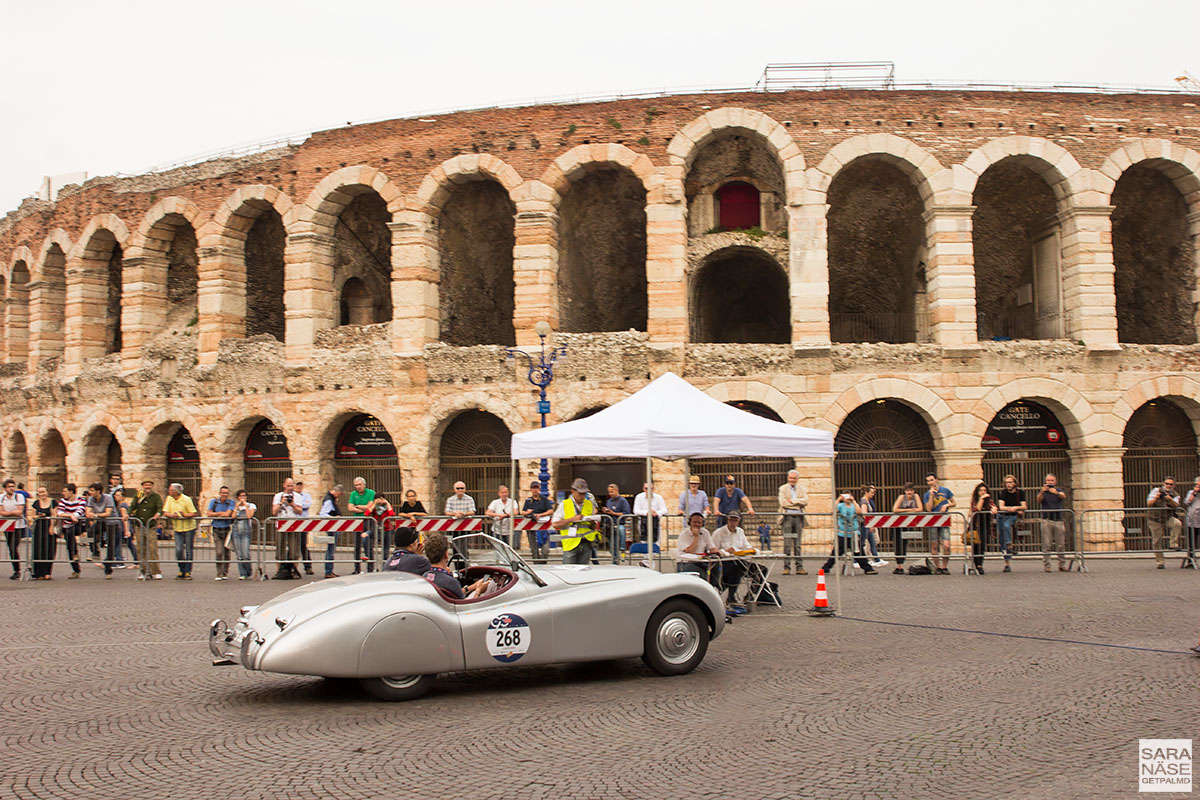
{"x":676,"y":638}
{"x":397,"y":688}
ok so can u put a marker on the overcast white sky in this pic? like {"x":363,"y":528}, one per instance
{"x":107,"y":87}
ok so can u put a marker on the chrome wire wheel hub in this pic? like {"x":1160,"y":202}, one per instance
{"x":678,"y":638}
{"x":401,"y":681}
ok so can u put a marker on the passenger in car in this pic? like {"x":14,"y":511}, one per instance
{"x":437,"y":550}
{"x":408,"y":557}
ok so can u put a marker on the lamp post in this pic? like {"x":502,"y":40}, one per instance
{"x":541,"y":374}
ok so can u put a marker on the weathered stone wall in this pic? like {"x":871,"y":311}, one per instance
{"x":264,"y":275}
{"x":475,"y":238}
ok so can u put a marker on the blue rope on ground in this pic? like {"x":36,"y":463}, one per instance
{"x":1017,"y":636}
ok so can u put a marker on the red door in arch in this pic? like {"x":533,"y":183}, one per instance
{"x":739,"y":209}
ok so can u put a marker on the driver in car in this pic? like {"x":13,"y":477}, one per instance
{"x":407,"y":557}
{"x":437,"y":550}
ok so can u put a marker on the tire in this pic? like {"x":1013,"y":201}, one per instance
{"x":398,"y":688}
{"x":676,"y":638}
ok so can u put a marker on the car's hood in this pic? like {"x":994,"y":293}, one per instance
{"x":576,"y":574}
{"x":325,"y":594}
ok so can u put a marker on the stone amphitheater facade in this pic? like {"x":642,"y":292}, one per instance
{"x":951,"y":253}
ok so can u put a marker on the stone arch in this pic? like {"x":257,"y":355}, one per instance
{"x":740,"y":294}
{"x":231,"y":445}
{"x":1181,"y":389}
{"x":16,"y":458}
{"x":921,"y":167}
{"x":52,"y":455}
{"x":330,"y":197}
{"x":241,"y":241}
{"x":441,"y":413}
{"x":96,"y":270}
{"x":160,"y":425}
{"x":1155,"y":241}
{"x":48,"y":295}
{"x":1180,"y":164}
{"x":321,"y":446}
{"x":163,"y":262}
{"x":758,"y":392}
{"x":21,"y":253}
{"x":934,"y":410}
{"x":15,"y":313}
{"x":481,"y":469}
{"x":439,"y":184}
{"x":601,"y":194}
{"x":94,"y":441}
{"x":1070,"y":182}
{"x":692,"y":137}
{"x":1084,"y":427}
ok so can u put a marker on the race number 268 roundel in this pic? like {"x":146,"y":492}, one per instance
{"x":508,"y":638}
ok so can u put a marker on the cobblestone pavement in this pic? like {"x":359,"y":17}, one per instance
{"x":107,"y":691}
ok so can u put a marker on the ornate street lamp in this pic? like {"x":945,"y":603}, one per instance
{"x":541,"y":374}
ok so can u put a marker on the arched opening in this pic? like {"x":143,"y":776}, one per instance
{"x":627,"y":473}
{"x":363,"y":255}
{"x":602,"y":253}
{"x":182,"y":274}
{"x":100,"y":272}
{"x":16,"y":314}
{"x":740,"y":294}
{"x":102,"y":456}
{"x":365,"y":448}
{"x":738,"y":206}
{"x":16,"y":461}
{"x":475,"y":246}
{"x":1017,"y":248}
{"x":876,"y":241}
{"x":1025,"y":439}
{"x":52,"y":463}
{"x":264,"y":275}
{"x":1159,"y":440}
{"x":356,"y":305}
{"x":759,"y":477}
{"x":475,"y":450}
{"x":183,"y":464}
{"x":267,"y":463}
{"x":735,"y":182}
{"x":48,"y":325}
{"x":1154,"y":260}
{"x":885,"y":443}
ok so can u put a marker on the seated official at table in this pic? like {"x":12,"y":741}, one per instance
{"x":407,"y":556}
{"x":695,"y":541}
{"x":437,"y":550}
{"x":730,"y":539}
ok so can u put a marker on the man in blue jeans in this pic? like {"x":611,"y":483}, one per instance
{"x":938,"y":499}
{"x":220,"y":508}
{"x":1010,"y":503}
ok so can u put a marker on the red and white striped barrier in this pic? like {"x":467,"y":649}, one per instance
{"x":7,"y":525}
{"x":907,"y":520}
{"x":534,"y":525}
{"x":318,"y":525}
{"x":474,"y":525}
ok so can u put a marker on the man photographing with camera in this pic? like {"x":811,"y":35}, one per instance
{"x":287,"y":549}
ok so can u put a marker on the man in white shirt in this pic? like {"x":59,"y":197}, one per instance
{"x":305,"y":500}
{"x":288,"y":503}
{"x":656,"y":506}
{"x":13,"y":506}
{"x":501,"y":510}
{"x":729,"y":540}
{"x":693,"y":545}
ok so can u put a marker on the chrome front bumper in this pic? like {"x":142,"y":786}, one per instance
{"x":234,"y":645}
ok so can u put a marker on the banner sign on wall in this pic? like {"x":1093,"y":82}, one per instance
{"x":1024,"y":424}
{"x":365,"y":437}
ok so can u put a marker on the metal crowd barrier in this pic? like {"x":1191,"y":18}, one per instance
{"x":1136,"y":533}
{"x":535,"y":537}
{"x":910,"y":536}
{"x":305,"y":541}
{"x":1034,"y":536}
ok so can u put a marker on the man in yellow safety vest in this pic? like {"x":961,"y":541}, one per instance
{"x":574,"y":519}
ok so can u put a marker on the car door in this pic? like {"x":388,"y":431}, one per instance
{"x":514,"y":628}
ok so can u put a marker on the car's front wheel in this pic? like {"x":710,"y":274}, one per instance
{"x":676,"y":638}
{"x":400,"y":687}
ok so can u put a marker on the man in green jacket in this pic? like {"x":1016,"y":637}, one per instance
{"x":144,"y":508}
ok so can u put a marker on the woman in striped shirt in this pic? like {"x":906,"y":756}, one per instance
{"x":70,"y":512}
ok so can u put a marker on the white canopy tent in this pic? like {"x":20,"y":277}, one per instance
{"x":671,"y":419}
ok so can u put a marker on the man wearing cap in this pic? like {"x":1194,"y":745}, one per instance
{"x":570,"y":519}
{"x":537,"y":506}
{"x":408,"y":557}
{"x":693,"y":499}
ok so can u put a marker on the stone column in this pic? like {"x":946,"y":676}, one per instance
{"x":1089,"y":297}
{"x":16,"y":324}
{"x":950,"y":275}
{"x":144,"y":300}
{"x":45,"y":323}
{"x":666,"y":262}
{"x":415,"y":313}
{"x":1099,"y":484}
{"x":307,"y":292}
{"x":959,"y":471}
{"x":86,"y":307}
{"x":535,"y":261}
{"x":220,"y":295}
{"x":808,"y":267}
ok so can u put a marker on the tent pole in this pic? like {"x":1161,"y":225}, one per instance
{"x":650,"y":507}
{"x":837,"y":569}
{"x":514,"y":491}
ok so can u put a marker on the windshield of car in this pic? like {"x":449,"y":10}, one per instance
{"x":479,"y":549}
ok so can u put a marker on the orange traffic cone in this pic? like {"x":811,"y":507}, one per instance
{"x":821,"y":607}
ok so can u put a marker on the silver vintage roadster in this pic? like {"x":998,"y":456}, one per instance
{"x":395,"y":631}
